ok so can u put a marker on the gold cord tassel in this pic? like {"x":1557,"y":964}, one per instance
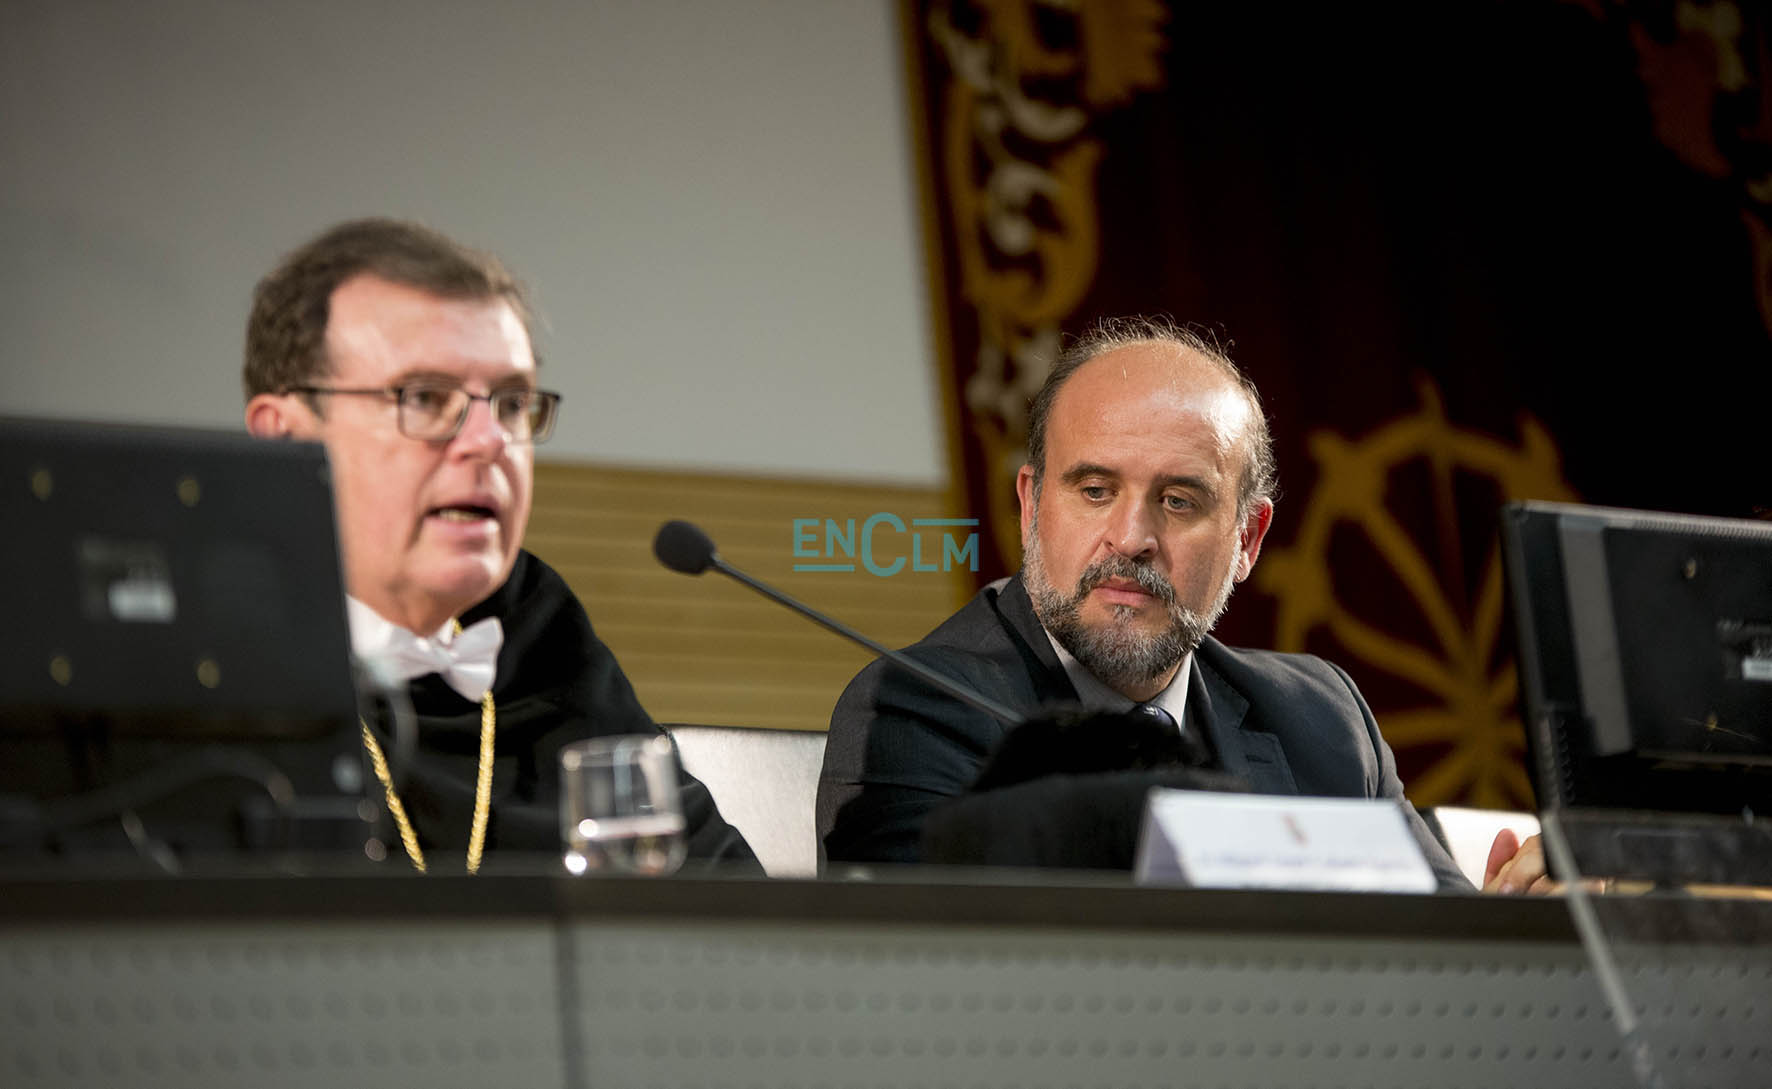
{"x":482,"y":783}
{"x":482,"y":787}
{"x":408,"y":838}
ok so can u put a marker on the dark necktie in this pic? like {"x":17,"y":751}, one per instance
{"x":1193,"y":751}
{"x":1157,"y":712}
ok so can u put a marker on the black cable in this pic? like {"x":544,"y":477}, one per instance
{"x":155,"y":784}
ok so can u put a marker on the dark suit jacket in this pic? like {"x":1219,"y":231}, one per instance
{"x":1283,"y":723}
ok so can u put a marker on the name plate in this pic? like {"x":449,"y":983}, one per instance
{"x":1260,"y":841}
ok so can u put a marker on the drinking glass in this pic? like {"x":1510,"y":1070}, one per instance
{"x":620,"y":810}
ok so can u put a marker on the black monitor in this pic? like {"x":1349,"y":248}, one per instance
{"x":174,"y":668}
{"x":1646,"y":668}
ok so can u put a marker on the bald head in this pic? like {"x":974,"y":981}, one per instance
{"x":1158,"y":355}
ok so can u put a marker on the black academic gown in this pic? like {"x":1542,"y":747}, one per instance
{"x":556,"y":683}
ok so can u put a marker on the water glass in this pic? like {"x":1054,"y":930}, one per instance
{"x":620,"y":810}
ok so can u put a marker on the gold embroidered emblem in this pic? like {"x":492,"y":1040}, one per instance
{"x":1468,"y":687}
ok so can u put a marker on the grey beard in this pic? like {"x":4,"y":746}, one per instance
{"x":1119,"y":654}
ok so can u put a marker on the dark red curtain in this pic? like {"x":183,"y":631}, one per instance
{"x":1470,"y":251}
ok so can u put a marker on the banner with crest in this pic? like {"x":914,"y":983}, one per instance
{"x":1470,"y":252}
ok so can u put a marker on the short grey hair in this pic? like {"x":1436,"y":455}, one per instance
{"x":1260,"y":473}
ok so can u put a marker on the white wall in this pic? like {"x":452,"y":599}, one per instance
{"x":713,"y":201}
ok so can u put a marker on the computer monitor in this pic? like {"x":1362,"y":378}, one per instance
{"x":175,"y":660}
{"x":1645,"y":658}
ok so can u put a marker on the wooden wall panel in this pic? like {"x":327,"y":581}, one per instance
{"x":703,"y":649}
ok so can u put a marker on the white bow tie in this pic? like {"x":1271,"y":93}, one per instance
{"x":466,"y":663}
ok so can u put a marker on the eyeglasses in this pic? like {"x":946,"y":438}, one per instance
{"x":434,"y":411}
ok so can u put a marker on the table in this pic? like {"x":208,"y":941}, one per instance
{"x":904,"y":979}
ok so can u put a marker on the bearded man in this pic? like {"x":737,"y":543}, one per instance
{"x":1147,"y":492}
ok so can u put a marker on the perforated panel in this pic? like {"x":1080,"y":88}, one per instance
{"x":819,"y":1008}
{"x":1705,"y":1016}
{"x":776,"y":1004}
{"x":268,"y":1006}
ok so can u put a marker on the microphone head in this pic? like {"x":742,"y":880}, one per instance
{"x":683,"y":547}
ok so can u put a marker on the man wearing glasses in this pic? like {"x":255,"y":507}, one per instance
{"x":409,"y":356}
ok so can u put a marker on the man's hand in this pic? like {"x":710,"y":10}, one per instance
{"x":1516,"y":867}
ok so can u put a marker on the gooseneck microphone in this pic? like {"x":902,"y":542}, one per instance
{"x":684,"y":548}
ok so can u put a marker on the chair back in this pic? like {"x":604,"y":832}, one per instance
{"x":765,"y":783}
